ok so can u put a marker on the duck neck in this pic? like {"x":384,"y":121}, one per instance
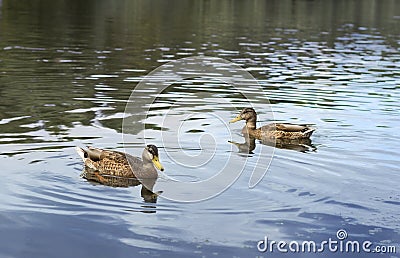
{"x":251,"y":124}
{"x":148,"y":166}
{"x":148,"y":171}
{"x":250,"y":127}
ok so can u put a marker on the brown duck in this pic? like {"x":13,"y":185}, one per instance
{"x":119,"y":164}
{"x":278,"y":131}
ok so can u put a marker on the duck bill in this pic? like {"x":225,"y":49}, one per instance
{"x":238,"y":118}
{"x":157,"y":163}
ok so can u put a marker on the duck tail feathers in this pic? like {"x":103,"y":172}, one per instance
{"x":309,"y":131}
{"x":81,"y":153}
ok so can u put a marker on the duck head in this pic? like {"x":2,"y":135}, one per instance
{"x":150,"y":153}
{"x":248,"y":114}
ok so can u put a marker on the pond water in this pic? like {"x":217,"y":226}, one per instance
{"x":68,"y":69}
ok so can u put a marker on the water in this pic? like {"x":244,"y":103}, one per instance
{"x":68,"y":68}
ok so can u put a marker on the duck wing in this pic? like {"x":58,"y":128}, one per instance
{"x":120,"y":164}
{"x":291,"y":128}
{"x":288,"y":128}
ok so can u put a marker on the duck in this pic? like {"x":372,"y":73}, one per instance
{"x":273,"y":131}
{"x":119,"y":164}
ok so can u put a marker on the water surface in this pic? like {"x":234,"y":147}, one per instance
{"x":68,"y":68}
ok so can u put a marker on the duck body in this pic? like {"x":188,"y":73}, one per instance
{"x":120,"y":164}
{"x":273,"y":131}
{"x":279,"y":131}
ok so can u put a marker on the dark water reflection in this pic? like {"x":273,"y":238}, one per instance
{"x":67,"y":69}
{"x":146,"y":192}
{"x":249,"y":144}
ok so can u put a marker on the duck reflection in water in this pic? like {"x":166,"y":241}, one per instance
{"x":303,"y":145}
{"x":114,"y":181}
{"x":118,"y":169}
{"x":280,"y":135}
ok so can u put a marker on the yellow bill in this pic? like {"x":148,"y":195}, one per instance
{"x":238,"y":118}
{"x":157,"y":163}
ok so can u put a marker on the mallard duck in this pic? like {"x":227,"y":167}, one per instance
{"x":119,"y":164}
{"x":271,"y":131}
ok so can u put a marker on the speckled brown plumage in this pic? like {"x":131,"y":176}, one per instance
{"x":114,"y":163}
